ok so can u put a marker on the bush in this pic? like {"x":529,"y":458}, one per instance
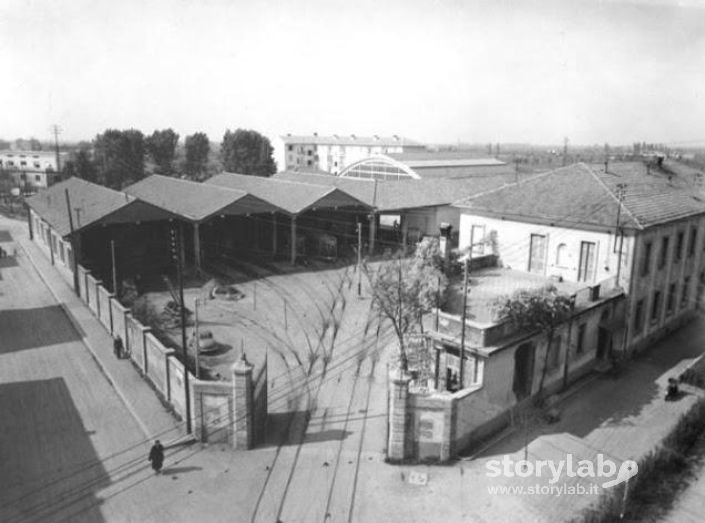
{"x":146,"y":313}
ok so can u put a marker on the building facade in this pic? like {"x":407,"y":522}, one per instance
{"x":31,"y":169}
{"x":642,"y":226}
{"x":333,"y":153}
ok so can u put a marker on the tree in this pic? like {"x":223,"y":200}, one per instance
{"x":119,"y":157}
{"x":404,"y":289}
{"x":81,"y":166}
{"x":197,"y":149}
{"x":247,"y":152}
{"x":540,"y":310}
{"x":161,"y":147}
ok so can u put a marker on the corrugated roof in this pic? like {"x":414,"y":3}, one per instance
{"x":197,"y":201}
{"x":586,"y":197}
{"x":364,"y":141}
{"x":294,"y":197}
{"x":90,"y":203}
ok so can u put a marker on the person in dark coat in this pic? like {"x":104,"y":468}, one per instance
{"x":156,"y":456}
{"x":117,"y":347}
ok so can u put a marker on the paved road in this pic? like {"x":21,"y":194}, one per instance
{"x":65,"y":435}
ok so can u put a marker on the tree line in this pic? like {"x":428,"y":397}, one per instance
{"x":117,"y":158}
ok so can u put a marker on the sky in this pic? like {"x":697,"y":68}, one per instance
{"x":444,"y":71}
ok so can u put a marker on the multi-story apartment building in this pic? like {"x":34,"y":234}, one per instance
{"x":31,"y":169}
{"x":639,"y":223}
{"x":333,"y":153}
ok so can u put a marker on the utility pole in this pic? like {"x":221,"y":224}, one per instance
{"x":74,"y":254}
{"x":621,"y":189}
{"x":404,"y":361}
{"x":56,"y":130}
{"x":177,"y":251}
{"x":359,"y":259}
{"x":464,"y":317}
{"x":197,"y":338}
{"x":607,"y":156}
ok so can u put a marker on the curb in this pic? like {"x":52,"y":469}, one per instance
{"x":84,"y":339}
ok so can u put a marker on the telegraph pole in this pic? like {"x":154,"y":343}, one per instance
{"x":621,"y":189}
{"x":464,"y":318}
{"x":177,"y":251}
{"x":56,"y":130}
{"x":359,"y":259}
{"x":73,"y":247}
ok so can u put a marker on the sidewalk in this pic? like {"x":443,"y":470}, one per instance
{"x":139,"y":399}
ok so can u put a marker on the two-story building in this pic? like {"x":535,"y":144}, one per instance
{"x":333,"y":153}
{"x":636,"y":222}
{"x":31,"y":169}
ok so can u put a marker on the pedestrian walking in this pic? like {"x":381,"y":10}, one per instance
{"x":156,"y":456}
{"x":117,"y":346}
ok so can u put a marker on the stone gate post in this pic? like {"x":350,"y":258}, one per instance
{"x":243,"y":413}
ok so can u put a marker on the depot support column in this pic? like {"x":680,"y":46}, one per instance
{"x":293,"y":240}
{"x":197,"y":246}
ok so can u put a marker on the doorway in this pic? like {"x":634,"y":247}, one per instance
{"x":537,"y":254}
{"x":523,"y":370}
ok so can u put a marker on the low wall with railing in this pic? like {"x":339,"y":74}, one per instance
{"x":215,"y":414}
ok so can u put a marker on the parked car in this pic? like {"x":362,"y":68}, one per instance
{"x":206,"y":341}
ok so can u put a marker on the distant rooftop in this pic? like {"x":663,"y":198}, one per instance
{"x":443,"y":159}
{"x":351,"y":139}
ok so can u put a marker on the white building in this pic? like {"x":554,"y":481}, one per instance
{"x":570,"y":224}
{"x":333,"y":153}
{"x":31,"y":168}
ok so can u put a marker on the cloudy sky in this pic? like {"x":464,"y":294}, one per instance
{"x":437,"y":71}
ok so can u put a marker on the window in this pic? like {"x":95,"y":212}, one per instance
{"x":562,"y":255}
{"x":679,"y":246}
{"x":646,"y":260}
{"x":638,"y":316}
{"x":309,"y":163}
{"x":554,"y":356}
{"x":477,"y":236}
{"x":37,"y":178}
{"x":655,"y":306}
{"x":290,"y":147}
{"x":309,"y":152}
{"x":23,"y":163}
{"x":684,"y":291}
{"x":37,"y":165}
{"x":671,"y":298}
{"x":580,"y":347}
{"x":10,"y":162}
{"x":693,"y":240}
{"x":664,"y":252}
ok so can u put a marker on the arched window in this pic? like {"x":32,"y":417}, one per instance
{"x":562,"y":255}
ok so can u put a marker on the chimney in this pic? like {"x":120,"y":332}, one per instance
{"x":315,"y":133}
{"x":353,"y":136}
